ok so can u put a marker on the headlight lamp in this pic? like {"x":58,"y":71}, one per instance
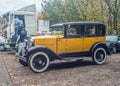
{"x":32,"y":39}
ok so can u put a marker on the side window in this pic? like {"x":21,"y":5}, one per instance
{"x":73,"y":31}
{"x":100,"y":30}
{"x":90,"y":30}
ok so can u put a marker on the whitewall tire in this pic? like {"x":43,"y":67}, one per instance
{"x":99,"y":56}
{"x":39,"y":62}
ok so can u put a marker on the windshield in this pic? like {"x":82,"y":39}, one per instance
{"x":57,"y":30}
{"x":111,"y":38}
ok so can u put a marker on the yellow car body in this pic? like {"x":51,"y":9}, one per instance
{"x":60,"y":44}
{"x":68,"y":41}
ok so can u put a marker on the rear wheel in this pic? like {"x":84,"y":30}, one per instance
{"x":99,"y":56}
{"x":39,"y":62}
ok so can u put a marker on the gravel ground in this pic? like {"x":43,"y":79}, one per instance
{"x":62,"y":73}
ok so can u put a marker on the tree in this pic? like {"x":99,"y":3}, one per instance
{"x":113,"y":7}
{"x":105,"y":11}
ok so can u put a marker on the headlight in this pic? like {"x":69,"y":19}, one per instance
{"x":29,"y":41}
{"x":32,"y":39}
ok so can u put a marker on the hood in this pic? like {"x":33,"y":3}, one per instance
{"x":48,"y":36}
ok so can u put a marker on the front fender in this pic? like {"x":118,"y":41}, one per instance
{"x":52,"y":55}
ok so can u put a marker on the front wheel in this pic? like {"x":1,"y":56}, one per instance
{"x":39,"y":62}
{"x":99,"y":56}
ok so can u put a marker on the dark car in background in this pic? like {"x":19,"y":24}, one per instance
{"x":113,"y":43}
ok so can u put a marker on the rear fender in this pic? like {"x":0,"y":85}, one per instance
{"x":100,"y":44}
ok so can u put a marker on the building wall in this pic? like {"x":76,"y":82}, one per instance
{"x":43,"y":25}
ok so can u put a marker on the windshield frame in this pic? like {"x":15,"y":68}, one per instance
{"x":54,"y":30}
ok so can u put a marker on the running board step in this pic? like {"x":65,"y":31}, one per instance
{"x":72,"y":58}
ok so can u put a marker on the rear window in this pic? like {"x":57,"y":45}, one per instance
{"x":94,"y":30}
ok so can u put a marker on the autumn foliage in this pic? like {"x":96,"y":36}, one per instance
{"x":105,"y":11}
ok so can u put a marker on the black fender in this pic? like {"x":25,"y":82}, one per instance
{"x":52,"y":55}
{"x":100,"y":44}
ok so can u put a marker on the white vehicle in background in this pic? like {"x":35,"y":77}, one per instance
{"x":3,"y":45}
{"x":25,"y":17}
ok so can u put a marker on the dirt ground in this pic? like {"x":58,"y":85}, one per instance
{"x":62,"y":73}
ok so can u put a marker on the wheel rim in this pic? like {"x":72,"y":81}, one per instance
{"x":39,"y":62}
{"x":100,"y":56}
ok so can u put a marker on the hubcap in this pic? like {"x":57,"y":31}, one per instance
{"x":39,"y":62}
{"x":100,"y":55}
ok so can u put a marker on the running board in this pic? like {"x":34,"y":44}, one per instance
{"x":72,"y":58}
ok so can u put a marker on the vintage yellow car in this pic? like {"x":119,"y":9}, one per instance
{"x":68,"y":41}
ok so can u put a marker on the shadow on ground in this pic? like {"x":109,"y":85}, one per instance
{"x":69,"y":65}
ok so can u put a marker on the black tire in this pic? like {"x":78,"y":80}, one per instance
{"x":39,"y":62}
{"x":23,"y":62}
{"x":99,"y":56}
{"x":2,"y":48}
{"x":114,"y":50}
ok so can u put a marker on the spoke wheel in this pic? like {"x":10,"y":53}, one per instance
{"x":39,"y":62}
{"x":99,"y":56}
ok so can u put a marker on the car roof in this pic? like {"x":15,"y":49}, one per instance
{"x":76,"y":23}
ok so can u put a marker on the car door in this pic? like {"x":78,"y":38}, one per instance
{"x":61,"y":45}
{"x":74,"y":39}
